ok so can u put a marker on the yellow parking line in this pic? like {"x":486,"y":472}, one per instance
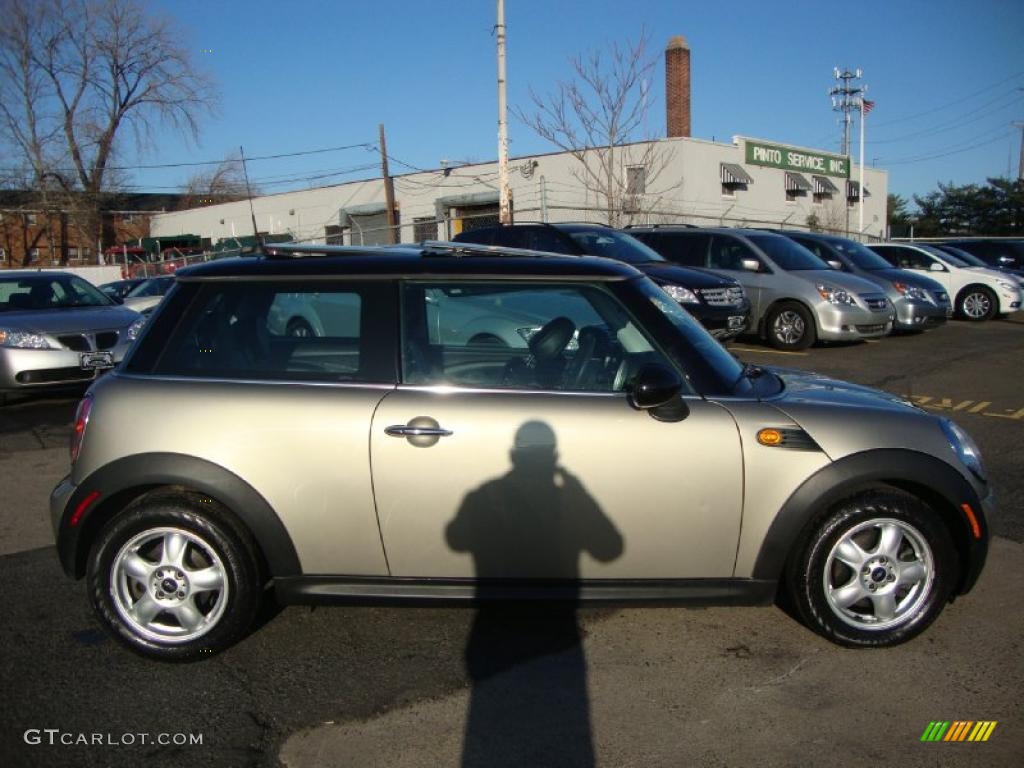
{"x":766,"y":351}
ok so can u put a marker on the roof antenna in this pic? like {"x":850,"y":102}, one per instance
{"x":252,"y":212}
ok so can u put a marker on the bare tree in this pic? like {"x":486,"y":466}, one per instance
{"x":599,"y":117}
{"x":75,"y":77}
{"x":224,"y":183}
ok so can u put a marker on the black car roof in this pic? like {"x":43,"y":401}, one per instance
{"x":428,"y":260}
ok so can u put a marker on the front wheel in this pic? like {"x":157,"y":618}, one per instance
{"x":977,"y":303}
{"x":790,"y":327}
{"x":173,"y":578}
{"x":876,"y":571}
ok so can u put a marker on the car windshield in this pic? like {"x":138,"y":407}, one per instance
{"x":945,"y":256}
{"x":787,"y":254}
{"x":156,"y":286}
{"x":48,"y":291}
{"x":860,"y":255}
{"x":962,"y":255}
{"x":727,"y":367}
{"x":613,"y":245}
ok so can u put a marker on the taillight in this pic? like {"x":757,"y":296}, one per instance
{"x":81,"y":422}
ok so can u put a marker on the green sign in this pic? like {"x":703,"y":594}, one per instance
{"x":789,"y":159}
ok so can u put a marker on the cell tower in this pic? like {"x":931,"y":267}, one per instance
{"x":846,"y":99}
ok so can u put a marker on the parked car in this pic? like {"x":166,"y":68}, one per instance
{"x":797,"y":298}
{"x":978,"y":293}
{"x":920,"y":302}
{"x":719,"y":303}
{"x":223,"y":461}
{"x":1004,"y":254}
{"x":147,"y":294}
{"x":971,"y":260}
{"x":118,"y":289}
{"x":58,"y":329}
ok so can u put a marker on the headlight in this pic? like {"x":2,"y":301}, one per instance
{"x":965,"y":448}
{"x":835,"y":295}
{"x":23,"y":340}
{"x":136,"y":328}
{"x":681,"y":294}
{"x":911,"y":291}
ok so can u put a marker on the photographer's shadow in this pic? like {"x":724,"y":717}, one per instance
{"x":527,"y":531}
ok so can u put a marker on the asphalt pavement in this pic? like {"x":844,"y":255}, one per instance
{"x":397,"y":686}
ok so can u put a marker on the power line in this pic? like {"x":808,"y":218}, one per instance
{"x":923,"y":158}
{"x":957,"y":122}
{"x":948,"y":104}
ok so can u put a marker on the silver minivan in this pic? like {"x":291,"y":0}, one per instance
{"x":796,"y":297}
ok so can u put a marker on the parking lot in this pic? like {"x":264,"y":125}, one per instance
{"x":613,"y":687}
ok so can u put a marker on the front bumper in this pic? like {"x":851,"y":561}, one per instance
{"x":722,"y":322}
{"x":28,"y":369}
{"x":842,"y":322}
{"x":917,"y":315}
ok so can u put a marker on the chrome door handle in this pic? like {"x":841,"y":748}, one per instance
{"x":405,"y":430}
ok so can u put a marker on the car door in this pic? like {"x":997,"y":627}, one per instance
{"x":529,"y":463}
{"x":726,"y":254}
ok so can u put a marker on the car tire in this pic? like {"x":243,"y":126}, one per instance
{"x":174,"y":578}
{"x":874,"y":572}
{"x":790,"y":326}
{"x":977,"y":303}
{"x":299,"y":328}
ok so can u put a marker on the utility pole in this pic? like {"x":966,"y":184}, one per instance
{"x":504,"y":200}
{"x":389,"y":187}
{"x":845,"y":99}
{"x":1020,"y":162}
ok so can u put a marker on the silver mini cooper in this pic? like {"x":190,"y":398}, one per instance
{"x":588,"y":440}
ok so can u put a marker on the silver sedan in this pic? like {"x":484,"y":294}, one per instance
{"x":57,"y":329}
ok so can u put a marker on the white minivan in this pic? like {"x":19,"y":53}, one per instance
{"x":977,"y":293}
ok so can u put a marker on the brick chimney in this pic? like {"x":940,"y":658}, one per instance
{"x":677,"y":87}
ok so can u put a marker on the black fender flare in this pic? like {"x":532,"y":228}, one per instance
{"x":938,"y":483}
{"x":126,"y":478}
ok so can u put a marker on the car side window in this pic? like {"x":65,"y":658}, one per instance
{"x":729,"y":253}
{"x":686,"y":250}
{"x":506,"y":335}
{"x":263,"y":330}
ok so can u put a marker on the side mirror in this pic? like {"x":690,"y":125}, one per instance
{"x":936,"y":267}
{"x":751,"y":265}
{"x":653,"y":386}
{"x":835,"y":264}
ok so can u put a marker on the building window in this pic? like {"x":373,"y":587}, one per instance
{"x":334,"y":234}
{"x":424,"y":229}
{"x":72,"y":252}
{"x":733,"y":178}
{"x":3,"y":254}
{"x":823,"y":189}
{"x":33,"y":254}
{"x":797,"y":186}
{"x":127,"y":218}
{"x":30,"y":219}
{"x":636,"y":180}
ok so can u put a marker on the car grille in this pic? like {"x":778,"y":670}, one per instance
{"x":54,"y":375}
{"x":79,"y":342}
{"x":876,"y":328}
{"x":874,"y":302}
{"x":722,"y":297}
{"x":75,"y":341}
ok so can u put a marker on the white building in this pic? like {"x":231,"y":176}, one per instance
{"x":673,"y":180}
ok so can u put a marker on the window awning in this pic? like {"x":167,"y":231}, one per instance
{"x":734,"y":174}
{"x":796,"y":182}
{"x":853,"y":190}
{"x":823,"y":185}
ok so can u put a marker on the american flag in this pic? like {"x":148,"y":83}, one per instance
{"x":866,"y":105}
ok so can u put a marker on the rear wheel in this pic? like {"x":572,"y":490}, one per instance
{"x":173,"y":579}
{"x":299,"y":328}
{"x":790,"y":326}
{"x":876,"y":571}
{"x":977,"y":303}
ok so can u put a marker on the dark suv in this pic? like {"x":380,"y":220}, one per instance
{"x":718,"y":302}
{"x":996,"y":253}
{"x":615,"y":451}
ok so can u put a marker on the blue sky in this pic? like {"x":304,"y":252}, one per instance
{"x":947,"y":77}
